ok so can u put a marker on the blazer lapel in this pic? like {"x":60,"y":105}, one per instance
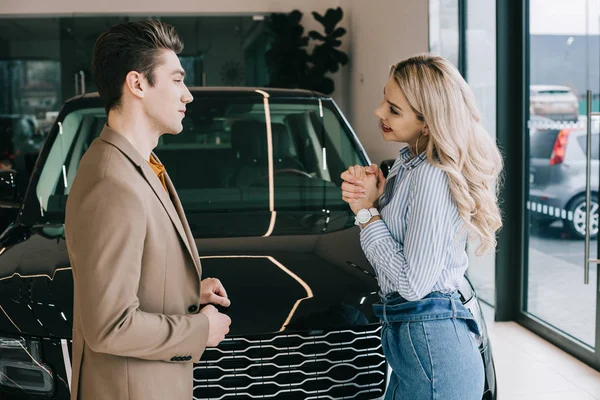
{"x":186,"y":227}
{"x":163,"y":196}
{"x":121,"y":142}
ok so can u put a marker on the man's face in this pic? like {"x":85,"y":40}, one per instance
{"x":5,"y":165}
{"x":165,"y":102}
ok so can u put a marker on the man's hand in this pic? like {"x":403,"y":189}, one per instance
{"x":213,"y":292}
{"x":218,"y":325}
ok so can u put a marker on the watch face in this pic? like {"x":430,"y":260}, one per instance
{"x":363,"y":216}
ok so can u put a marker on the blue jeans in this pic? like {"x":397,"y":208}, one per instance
{"x":430,"y":349}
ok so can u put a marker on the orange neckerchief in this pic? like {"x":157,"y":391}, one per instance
{"x":159,"y":170}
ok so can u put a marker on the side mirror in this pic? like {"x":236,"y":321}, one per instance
{"x":9,"y":198}
{"x":386,"y":166}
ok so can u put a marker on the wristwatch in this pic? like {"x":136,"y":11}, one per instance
{"x":364,"y":215}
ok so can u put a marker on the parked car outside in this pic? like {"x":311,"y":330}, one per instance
{"x":557,"y":177}
{"x":555,"y":102}
{"x":258,"y":173}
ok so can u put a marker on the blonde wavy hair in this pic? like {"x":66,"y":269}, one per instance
{"x":457,"y":142}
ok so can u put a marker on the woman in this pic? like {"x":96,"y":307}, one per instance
{"x":414,"y":227}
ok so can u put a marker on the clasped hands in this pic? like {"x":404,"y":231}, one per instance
{"x":362,"y":186}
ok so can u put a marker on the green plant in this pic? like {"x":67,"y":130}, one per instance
{"x":325,"y":56}
{"x":287,"y":58}
{"x":290,"y":65}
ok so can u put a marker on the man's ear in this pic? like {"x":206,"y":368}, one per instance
{"x":136,"y":84}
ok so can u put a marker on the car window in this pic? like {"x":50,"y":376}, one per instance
{"x":542,"y":143}
{"x":232,"y":155}
{"x":582,"y":140}
{"x":553,"y":91}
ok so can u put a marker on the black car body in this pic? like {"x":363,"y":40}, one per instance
{"x":258,"y":173}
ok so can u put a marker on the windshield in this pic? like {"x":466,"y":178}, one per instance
{"x":232,"y":156}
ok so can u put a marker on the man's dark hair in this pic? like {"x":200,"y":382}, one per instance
{"x":131,"y":46}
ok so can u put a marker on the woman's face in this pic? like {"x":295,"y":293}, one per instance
{"x":399,"y":122}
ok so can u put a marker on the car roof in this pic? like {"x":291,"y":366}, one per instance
{"x":229,"y":91}
{"x":549,"y":87}
{"x":582,"y":130}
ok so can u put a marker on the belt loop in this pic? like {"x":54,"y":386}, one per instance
{"x":384,"y":312}
{"x":454,"y":312}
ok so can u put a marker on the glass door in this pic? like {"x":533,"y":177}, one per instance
{"x":561,"y":283}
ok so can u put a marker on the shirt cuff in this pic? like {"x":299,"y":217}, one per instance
{"x":372,"y":233}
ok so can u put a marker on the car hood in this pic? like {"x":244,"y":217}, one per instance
{"x":306,"y":278}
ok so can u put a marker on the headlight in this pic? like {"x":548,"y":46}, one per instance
{"x":21,"y":367}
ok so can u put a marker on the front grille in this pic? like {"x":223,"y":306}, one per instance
{"x":345,"y":364}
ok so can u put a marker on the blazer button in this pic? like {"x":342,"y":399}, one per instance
{"x":193,"y":308}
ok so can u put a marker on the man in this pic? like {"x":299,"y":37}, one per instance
{"x":7,"y":215}
{"x":6,"y":164}
{"x":137,"y":276}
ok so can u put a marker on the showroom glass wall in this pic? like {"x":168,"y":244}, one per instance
{"x":45,"y":61}
{"x":464,"y":32}
{"x":548,"y":71}
{"x":560,"y":174}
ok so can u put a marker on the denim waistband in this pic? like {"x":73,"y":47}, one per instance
{"x":436,"y":305}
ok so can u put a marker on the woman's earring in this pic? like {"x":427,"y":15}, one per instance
{"x":417,"y":146}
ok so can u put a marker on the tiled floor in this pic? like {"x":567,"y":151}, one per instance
{"x":530,"y":368}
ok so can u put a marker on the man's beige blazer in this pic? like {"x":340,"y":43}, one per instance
{"x":136,"y":272}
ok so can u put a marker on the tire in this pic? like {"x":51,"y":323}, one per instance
{"x":576,"y":226}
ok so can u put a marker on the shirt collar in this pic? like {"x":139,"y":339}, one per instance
{"x":408,"y":161}
{"x":156,"y":166}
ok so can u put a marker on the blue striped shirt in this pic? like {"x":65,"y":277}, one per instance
{"x":418,"y":246}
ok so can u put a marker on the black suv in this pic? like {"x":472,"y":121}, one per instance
{"x":258,"y":172}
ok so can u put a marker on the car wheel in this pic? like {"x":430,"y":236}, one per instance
{"x":576,"y":226}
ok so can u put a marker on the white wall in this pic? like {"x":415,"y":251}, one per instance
{"x":380,"y":33}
